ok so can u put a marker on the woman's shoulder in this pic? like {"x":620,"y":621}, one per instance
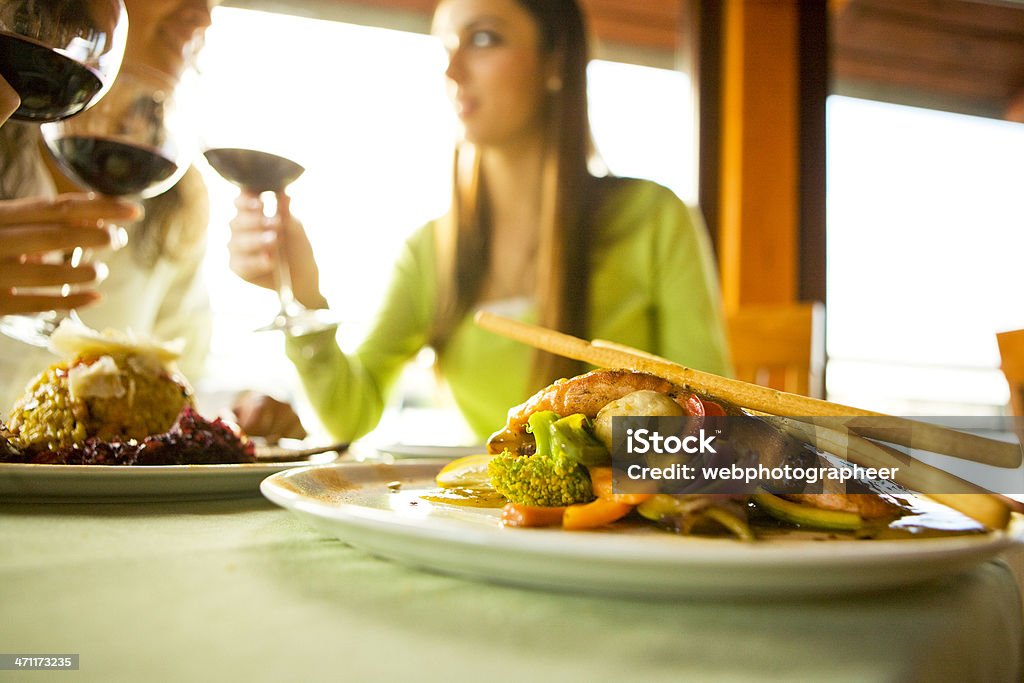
{"x":416,"y":250}
{"x":422,"y":237}
{"x":626,"y":205}
{"x":634,"y":190}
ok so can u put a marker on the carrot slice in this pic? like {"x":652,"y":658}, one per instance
{"x":595,"y":514}
{"x":603,"y":485}
{"x":531,"y":515}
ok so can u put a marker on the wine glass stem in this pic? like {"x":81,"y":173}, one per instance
{"x":74,"y":259}
{"x":285,"y":294}
{"x":36,"y":328}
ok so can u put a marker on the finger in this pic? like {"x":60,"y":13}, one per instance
{"x":288,"y":428}
{"x":254,"y":421}
{"x":262,"y":415}
{"x":69,"y":208}
{"x":255,"y":269}
{"x":249,"y":202}
{"x":249,"y":221}
{"x":278,"y":428}
{"x":284,"y":206}
{"x":16,"y":304}
{"x":253,"y":242}
{"x":16,"y":240}
{"x":240,"y":405}
{"x":252,"y":258}
{"x":241,"y":225}
{"x":246,"y":421}
{"x":294,"y":430}
{"x":10,"y":100}
{"x":50,"y":274}
{"x":252,"y":249}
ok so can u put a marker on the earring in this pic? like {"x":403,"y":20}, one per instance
{"x":554,"y":83}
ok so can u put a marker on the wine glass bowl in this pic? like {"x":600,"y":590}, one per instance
{"x":254,"y":170}
{"x":60,"y":56}
{"x":133,"y":143}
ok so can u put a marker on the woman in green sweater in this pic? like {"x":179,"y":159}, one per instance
{"x":530,"y":234}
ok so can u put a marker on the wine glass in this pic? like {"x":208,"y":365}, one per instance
{"x":131,"y":144}
{"x":258,"y":172}
{"x":134,"y":143}
{"x":60,"y":56}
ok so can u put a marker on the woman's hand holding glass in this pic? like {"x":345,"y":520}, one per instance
{"x":33,"y":229}
{"x":255,"y":246}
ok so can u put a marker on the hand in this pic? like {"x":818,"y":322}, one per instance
{"x":262,"y":415}
{"x":9,"y":100}
{"x":29,"y":228}
{"x":257,"y":240}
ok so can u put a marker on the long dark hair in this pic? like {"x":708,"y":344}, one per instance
{"x":463,"y":239}
{"x":17,"y":159}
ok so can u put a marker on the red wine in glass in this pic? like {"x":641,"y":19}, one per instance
{"x":50,"y":85}
{"x":254,"y":170}
{"x":61,"y":56}
{"x":130,"y":144}
{"x":257,"y":172}
{"x":112,"y":166}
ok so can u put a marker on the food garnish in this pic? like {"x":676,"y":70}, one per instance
{"x":464,"y":481}
{"x":860,"y":425}
{"x":114,"y":398}
{"x":191,"y":440}
{"x":469,"y":471}
{"x":555,"y":469}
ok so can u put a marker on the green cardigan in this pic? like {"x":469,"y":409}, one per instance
{"x":653,"y":286}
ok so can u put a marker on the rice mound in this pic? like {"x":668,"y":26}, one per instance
{"x":136,"y":398}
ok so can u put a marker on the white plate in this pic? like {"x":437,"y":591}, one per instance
{"x":116,"y":483}
{"x":408,"y":450}
{"x":353,"y":502}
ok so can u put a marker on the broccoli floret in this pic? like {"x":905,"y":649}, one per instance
{"x":539,"y":479}
{"x":555,"y":475}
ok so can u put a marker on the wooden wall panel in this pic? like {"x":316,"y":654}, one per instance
{"x":425,"y":6}
{"x":759,"y":214}
{"x":965,"y":56}
{"x":648,"y":24}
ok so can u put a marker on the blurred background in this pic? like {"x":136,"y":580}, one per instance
{"x":920,"y":191}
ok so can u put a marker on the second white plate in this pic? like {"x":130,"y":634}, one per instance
{"x":362,"y":505}
{"x":114,"y":483}
{"x":408,"y":450}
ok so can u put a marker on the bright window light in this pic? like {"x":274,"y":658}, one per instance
{"x":925,"y":237}
{"x":364,"y":110}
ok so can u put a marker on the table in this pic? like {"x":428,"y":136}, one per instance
{"x":239,"y":590}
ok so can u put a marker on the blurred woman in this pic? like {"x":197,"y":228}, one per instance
{"x":153,"y":286}
{"x":531,"y":233}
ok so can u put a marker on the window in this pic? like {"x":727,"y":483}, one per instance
{"x":925,"y":243}
{"x":364,"y":110}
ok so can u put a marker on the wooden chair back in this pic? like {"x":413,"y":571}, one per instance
{"x":781,"y":346}
{"x":1011,"y":351}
